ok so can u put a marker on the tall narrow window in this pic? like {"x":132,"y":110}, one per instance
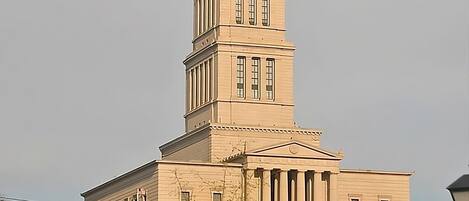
{"x":240,"y":76}
{"x":270,"y":78}
{"x":201,"y":17}
{"x":201,"y":83}
{"x":214,"y":12}
{"x":194,"y":89}
{"x":206,"y":79}
{"x":189,"y":91}
{"x":266,"y":12}
{"x":197,"y":86}
{"x":239,"y":11}
{"x":252,"y":12}
{"x":255,"y":78}
{"x":216,"y":197}
{"x":185,"y":196}
{"x":211,"y":81}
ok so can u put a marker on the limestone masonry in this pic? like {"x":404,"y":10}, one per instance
{"x":240,"y":141}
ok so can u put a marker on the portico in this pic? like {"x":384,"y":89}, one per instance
{"x":291,"y":171}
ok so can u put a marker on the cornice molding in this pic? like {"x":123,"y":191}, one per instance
{"x":220,"y":42}
{"x":226,"y":127}
{"x":301,"y":131}
{"x":211,"y":102}
{"x":376,"y":172}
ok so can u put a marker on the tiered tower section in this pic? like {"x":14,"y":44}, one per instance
{"x":240,"y":71}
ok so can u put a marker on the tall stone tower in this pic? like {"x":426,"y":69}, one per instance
{"x":239,"y":81}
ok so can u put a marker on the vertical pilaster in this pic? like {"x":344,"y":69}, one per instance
{"x":283,"y":185}
{"x":309,"y":188}
{"x":266,"y":185}
{"x":317,"y":186}
{"x":293,"y":182}
{"x":252,"y":185}
{"x":333,"y":187}
{"x":276,"y":186}
{"x":300,"y":186}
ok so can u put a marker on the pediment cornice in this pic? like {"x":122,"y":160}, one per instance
{"x":291,"y":149}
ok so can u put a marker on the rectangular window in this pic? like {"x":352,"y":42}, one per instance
{"x":266,"y":12}
{"x":201,"y":85}
{"x":199,"y":17}
{"x":193,"y":88}
{"x":185,"y":196}
{"x":270,"y":79}
{"x":252,"y":12}
{"x":197,"y":86}
{"x":239,"y":11}
{"x":241,"y":66}
{"x":211,"y":87}
{"x":255,"y":78}
{"x":216,"y":197}
{"x":205,"y":80}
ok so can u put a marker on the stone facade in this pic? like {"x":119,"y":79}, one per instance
{"x":240,"y":141}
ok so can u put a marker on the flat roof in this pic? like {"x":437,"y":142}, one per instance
{"x":377,"y":172}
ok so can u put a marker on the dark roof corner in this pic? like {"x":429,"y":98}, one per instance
{"x":461,"y":184}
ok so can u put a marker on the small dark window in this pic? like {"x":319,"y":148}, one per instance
{"x":216,"y":197}
{"x":185,"y":196}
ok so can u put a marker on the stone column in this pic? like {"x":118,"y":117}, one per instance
{"x":300,"y":186}
{"x":293,"y":185}
{"x":266,"y":186}
{"x":333,"y":187}
{"x":309,"y":184}
{"x":283,"y":184}
{"x":276,"y":184}
{"x":317,"y":186}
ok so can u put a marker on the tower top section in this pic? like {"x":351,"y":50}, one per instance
{"x":267,"y":14}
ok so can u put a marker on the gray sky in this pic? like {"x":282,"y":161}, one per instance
{"x":89,"y":89}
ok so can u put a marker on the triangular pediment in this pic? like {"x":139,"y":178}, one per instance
{"x":295,"y":149}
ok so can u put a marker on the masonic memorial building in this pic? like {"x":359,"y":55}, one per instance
{"x":240,"y":141}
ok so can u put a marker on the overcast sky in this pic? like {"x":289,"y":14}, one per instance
{"x":90,"y":88}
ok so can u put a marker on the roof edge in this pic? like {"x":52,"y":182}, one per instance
{"x":377,"y":172}
{"x":156,"y":162}
{"x":151,"y":163}
{"x":461,"y":184}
